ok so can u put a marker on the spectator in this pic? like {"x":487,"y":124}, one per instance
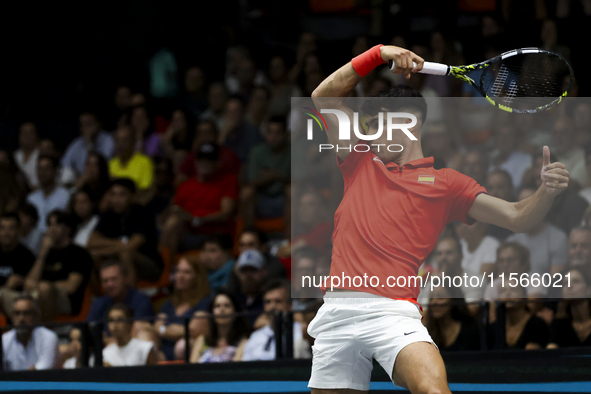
{"x":262,"y":342}
{"x":304,"y":262}
{"x":30,"y":233}
{"x":114,"y":281}
{"x":202,"y":205}
{"x":251,"y":238}
{"x":523,"y":330}
{"x":228,"y":332}
{"x":235,"y":132}
{"x":313,"y":227}
{"x":128,"y":163}
{"x":126,"y":231}
{"x":92,"y":138}
{"x":147,"y":140}
{"x":216,"y":257}
{"x":257,"y":109}
{"x":84,"y":208}
{"x":508,"y":157}
{"x":95,"y":178}
{"x":24,"y":347}
{"x":547,"y":244}
{"x":126,"y":351}
{"x":11,"y":194}
{"x":199,"y":325}
{"x":269,"y":171}
{"x":176,"y":141}
{"x":570,"y":328}
{"x":567,"y":151}
{"x":27,"y":155}
{"x":195,"y":97}
{"x":579,"y":247}
{"x":50,"y":196}
{"x":512,"y":259}
{"x":147,"y":333}
{"x":217,"y":97}
{"x":449,"y":322}
{"x":15,"y":261}
{"x":62,"y":270}
{"x":252,"y":276}
{"x":70,"y":355}
{"x":163,"y":190}
{"x":281,"y":90}
{"x":189,"y":295}
{"x":475,"y":165}
{"x":585,"y":192}
{"x":499,"y":185}
{"x":207,"y":133}
{"x":478,"y":254}
{"x":302,"y":348}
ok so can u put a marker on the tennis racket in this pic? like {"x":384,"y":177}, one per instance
{"x":526,"y":80}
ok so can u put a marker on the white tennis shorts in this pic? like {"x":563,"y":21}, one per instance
{"x":350,"y":331}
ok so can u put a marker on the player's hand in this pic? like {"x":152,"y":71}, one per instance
{"x":403,"y":58}
{"x":554,"y":175}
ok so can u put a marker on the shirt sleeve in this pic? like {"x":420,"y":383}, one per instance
{"x":462,"y":192}
{"x":230,"y":187}
{"x":47,"y":351}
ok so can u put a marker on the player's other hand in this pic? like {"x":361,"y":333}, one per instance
{"x":554,"y":175}
{"x":403,"y":58}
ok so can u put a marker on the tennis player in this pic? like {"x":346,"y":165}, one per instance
{"x":394,"y":207}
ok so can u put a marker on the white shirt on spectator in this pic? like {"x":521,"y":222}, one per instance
{"x":486,"y":252}
{"x":516,"y":164}
{"x":261,"y":344}
{"x":574,"y":160}
{"x":58,"y":199}
{"x":29,"y":167}
{"x":40,"y":352}
{"x":84,"y":231}
{"x":136,"y":352}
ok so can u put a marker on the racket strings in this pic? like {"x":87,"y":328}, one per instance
{"x":526,"y":81}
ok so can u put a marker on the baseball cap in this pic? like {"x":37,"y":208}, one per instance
{"x":208,"y":152}
{"x":251,"y":258}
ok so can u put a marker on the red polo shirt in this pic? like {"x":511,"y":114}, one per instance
{"x":390,"y":218}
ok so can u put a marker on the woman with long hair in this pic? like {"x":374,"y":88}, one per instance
{"x":449,"y":323}
{"x":189,"y":295}
{"x":84,"y":207}
{"x":95,"y":178}
{"x":572,"y":325}
{"x":228,"y":332}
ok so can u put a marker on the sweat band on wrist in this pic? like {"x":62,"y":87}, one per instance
{"x":367,"y":61}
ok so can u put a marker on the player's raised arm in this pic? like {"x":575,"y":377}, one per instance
{"x":337,"y":85}
{"x":525,"y":214}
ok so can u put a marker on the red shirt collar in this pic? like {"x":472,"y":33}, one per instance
{"x":418,"y":163}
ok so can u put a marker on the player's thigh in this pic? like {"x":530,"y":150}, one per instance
{"x":337,"y":391}
{"x":420,"y":368}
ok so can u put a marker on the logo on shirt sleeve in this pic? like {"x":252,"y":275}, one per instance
{"x":426,"y":179}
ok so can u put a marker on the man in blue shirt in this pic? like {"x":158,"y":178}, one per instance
{"x":216,"y":256}
{"x":92,"y":138}
{"x":114,"y":277}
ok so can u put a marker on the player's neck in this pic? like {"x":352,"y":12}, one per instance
{"x":411,"y":153}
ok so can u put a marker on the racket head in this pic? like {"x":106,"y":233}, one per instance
{"x":526,"y":80}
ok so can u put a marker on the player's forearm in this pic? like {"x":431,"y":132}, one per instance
{"x":339,"y":83}
{"x":532,"y":210}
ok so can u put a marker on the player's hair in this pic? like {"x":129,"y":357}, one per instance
{"x":521,"y":251}
{"x":399,"y":97}
{"x":11,"y":216}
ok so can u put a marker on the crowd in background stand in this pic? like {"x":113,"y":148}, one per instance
{"x":173,"y":202}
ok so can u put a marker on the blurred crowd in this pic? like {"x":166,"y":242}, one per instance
{"x":177,"y":204}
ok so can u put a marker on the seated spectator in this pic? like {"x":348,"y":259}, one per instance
{"x":15,"y":261}
{"x":508,"y":157}
{"x":190,"y":290}
{"x":305,"y":261}
{"x":523,"y":330}
{"x":499,"y":185}
{"x":92,"y":138}
{"x":163,"y":190}
{"x":262,"y":342}
{"x":11,"y":193}
{"x":30,"y":233}
{"x":70,"y":354}
{"x":281,"y":90}
{"x":62,"y":270}
{"x":199,"y":325}
{"x":147,"y":141}
{"x":216,"y":257}
{"x":512,"y":259}
{"x":579,"y":247}
{"x":302,"y":348}
{"x":567,"y":151}
{"x":449,"y":322}
{"x":84,"y":209}
{"x":128,"y":163}
{"x":202,"y":205}
{"x":148,"y":334}
{"x":177,"y":140}
{"x":235,"y":132}
{"x":95,"y":178}
{"x":571,"y":327}
{"x":479,"y":253}
{"x":252,"y":276}
{"x":207,"y":133}
{"x":547,"y":244}
{"x":269,"y":170}
{"x":26,"y":348}
{"x":257,"y":109}
{"x":50,"y":196}
{"x":27,"y":154}
{"x":114,"y":280}
{"x":217,"y":95}
{"x":313,"y":227}
{"x":252,"y":238}
{"x":228,"y":332}
{"x":194,"y":97}
{"x":475,"y":165}
{"x":127,"y":232}
{"x":126,"y":350}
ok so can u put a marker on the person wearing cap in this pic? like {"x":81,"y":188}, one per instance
{"x":252,"y":275}
{"x":127,"y":231}
{"x":202,"y":205}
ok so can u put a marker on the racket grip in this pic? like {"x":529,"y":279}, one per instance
{"x":428,"y":68}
